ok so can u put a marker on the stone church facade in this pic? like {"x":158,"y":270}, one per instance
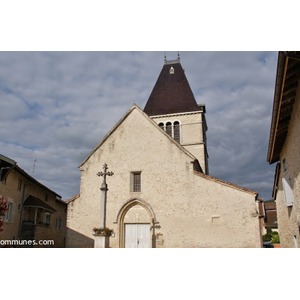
{"x":161,"y":194}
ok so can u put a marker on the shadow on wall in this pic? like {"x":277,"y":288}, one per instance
{"x":75,"y":239}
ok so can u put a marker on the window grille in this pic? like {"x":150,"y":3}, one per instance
{"x":137,"y":182}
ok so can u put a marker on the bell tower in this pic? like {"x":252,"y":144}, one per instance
{"x":173,"y":107}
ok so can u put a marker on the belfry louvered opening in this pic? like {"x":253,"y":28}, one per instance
{"x":177,"y":131}
{"x":169,"y":128}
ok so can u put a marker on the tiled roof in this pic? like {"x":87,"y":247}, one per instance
{"x":171,"y":93}
{"x":32,"y":201}
{"x":73,"y":198}
{"x":226,"y":183}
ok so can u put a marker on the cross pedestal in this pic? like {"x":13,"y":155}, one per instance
{"x":101,"y":241}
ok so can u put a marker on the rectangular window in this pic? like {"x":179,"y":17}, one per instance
{"x":58,"y":223}
{"x":136,"y":181}
{"x":19,"y":185}
{"x":47,"y":219}
{"x":10,"y":213}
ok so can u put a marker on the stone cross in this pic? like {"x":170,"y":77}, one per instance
{"x":104,"y":190}
{"x":104,"y":174}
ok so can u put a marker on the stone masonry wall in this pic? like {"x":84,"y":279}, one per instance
{"x":191,"y":211}
{"x":289,"y":217}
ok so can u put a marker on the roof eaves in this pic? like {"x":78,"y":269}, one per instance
{"x":8,"y":160}
{"x":280,"y":75}
{"x":32,"y":201}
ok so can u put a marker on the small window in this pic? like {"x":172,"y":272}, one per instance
{"x":47,"y":219}
{"x":169,"y":128}
{"x":19,"y":185}
{"x":46,"y":197}
{"x":136,"y":181}
{"x":161,"y":125}
{"x":58,"y":223}
{"x":171,"y":70}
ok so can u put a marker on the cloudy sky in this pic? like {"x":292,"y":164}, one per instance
{"x":56,"y":106}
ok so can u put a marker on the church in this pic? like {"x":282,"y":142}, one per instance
{"x":160,"y":194}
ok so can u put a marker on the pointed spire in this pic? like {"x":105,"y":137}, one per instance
{"x":172,"y":92}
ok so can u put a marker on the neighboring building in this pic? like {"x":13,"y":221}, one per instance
{"x":268,"y":215}
{"x":42,"y":217}
{"x":161,"y":194}
{"x":284,"y":145}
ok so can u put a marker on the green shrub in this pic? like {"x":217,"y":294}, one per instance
{"x":275,"y":239}
{"x":271,"y":236}
{"x":266,"y":238}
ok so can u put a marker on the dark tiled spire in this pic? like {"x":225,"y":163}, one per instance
{"x":172,"y":92}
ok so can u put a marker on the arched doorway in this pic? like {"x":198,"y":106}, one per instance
{"x":136,"y":221}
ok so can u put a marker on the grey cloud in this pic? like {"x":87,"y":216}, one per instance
{"x":58,"y":105}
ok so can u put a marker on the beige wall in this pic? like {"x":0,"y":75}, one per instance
{"x":288,"y":217}
{"x":191,"y":211}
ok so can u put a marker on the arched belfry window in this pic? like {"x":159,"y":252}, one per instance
{"x":172,"y":129}
{"x":177,"y":131}
{"x":169,"y":128}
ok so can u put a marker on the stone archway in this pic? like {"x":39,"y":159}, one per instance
{"x":136,"y":213}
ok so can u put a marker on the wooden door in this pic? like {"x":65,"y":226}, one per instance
{"x":137,"y":235}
